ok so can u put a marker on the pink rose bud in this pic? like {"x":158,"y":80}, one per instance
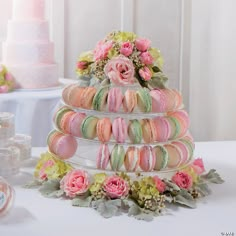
{"x":198,"y":166}
{"x":8,"y":76}
{"x":183,"y":180}
{"x":82,"y":65}
{"x":142,"y":44}
{"x":126,"y":48}
{"x":146,"y":58}
{"x":42,"y":172}
{"x":4,"y":89}
{"x":145,"y":73}
{"x":101,"y":50}
{"x":160,"y":185}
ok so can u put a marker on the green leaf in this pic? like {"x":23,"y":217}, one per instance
{"x":33,"y":184}
{"x":168,"y":199}
{"x":185,"y":198}
{"x":203,"y":189}
{"x":213,"y":177}
{"x":82,"y":202}
{"x":107,"y":209}
{"x":139,"y":214}
{"x":156,"y":69}
{"x":158,"y":81}
{"x":51,"y":188}
{"x":171,"y":186}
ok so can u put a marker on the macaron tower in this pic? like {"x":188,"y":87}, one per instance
{"x":121,"y":116}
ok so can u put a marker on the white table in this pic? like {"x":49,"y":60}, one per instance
{"x":33,"y":111}
{"x":35,"y":215}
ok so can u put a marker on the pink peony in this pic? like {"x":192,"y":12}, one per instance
{"x":120,"y":70}
{"x":145,"y":73}
{"x":126,"y":49}
{"x":183,"y":180}
{"x":42,"y":173}
{"x":76,"y":182}
{"x":101,"y":50}
{"x":142,"y":44}
{"x":160,"y":185}
{"x":146,"y":58}
{"x":4,"y":89}
{"x":198,"y":166}
{"x":82,"y":65}
{"x":115,"y":187}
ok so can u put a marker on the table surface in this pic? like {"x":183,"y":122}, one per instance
{"x":215,"y":214}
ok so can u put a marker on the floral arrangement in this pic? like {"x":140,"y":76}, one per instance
{"x":142,"y":197}
{"x":123,"y":58}
{"x":6,"y":80}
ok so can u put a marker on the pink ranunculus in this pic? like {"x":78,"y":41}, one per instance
{"x":8,"y":76}
{"x":145,"y":73}
{"x":82,"y":65}
{"x":146,"y":58}
{"x":120,"y":70}
{"x":142,"y":44}
{"x":75,"y":182}
{"x":126,"y":48}
{"x":183,"y":180}
{"x":4,"y":89}
{"x":115,"y":187}
{"x":42,"y":173}
{"x":160,"y":185}
{"x":101,"y":50}
{"x":198,"y":166}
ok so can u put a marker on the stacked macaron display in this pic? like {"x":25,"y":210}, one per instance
{"x":122,"y":99}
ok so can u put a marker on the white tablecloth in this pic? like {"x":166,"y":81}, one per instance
{"x":33,"y":111}
{"x":35,"y":215}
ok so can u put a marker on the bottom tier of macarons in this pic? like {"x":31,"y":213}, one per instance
{"x":122,"y":157}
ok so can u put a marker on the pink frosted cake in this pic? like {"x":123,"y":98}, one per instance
{"x":27,"y":51}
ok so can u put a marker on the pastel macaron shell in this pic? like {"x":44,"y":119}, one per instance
{"x":86,"y":97}
{"x":75,"y":96}
{"x":148,"y":130}
{"x":174,"y":155}
{"x":129,"y":101}
{"x":100,"y":99}
{"x":65,"y":122}
{"x":161,"y":157}
{"x":147,"y":158}
{"x":75,"y":123}
{"x":59,"y":114}
{"x":114,"y":99}
{"x":119,"y":129}
{"x":66,"y":92}
{"x":103,"y":157}
{"x":163,"y":129}
{"x":175,"y":127}
{"x":184,"y":150}
{"x":170,"y":99}
{"x":158,"y":100}
{"x":135,"y":132}
{"x":104,"y":129}
{"x":117,"y":157}
{"x":144,"y":100}
{"x":132,"y":158}
{"x":88,"y":127}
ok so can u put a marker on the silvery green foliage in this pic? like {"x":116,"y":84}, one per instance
{"x":185,"y":198}
{"x":212,"y":177}
{"x":82,"y":202}
{"x":33,"y":184}
{"x":51,"y":188}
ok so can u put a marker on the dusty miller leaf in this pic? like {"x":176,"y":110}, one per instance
{"x":171,"y":186}
{"x":139,"y":214}
{"x":213,"y":177}
{"x":185,"y":198}
{"x":107,"y":209}
{"x":203,"y":189}
{"x":33,"y":184}
{"x":82,"y":202}
{"x":158,"y":81}
{"x":51,"y":188}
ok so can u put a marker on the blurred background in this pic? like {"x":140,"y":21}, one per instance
{"x":197,"y":39}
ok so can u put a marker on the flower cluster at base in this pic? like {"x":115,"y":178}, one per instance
{"x":6,"y":80}
{"x":122,"y":58}
{"x":141,"y":196}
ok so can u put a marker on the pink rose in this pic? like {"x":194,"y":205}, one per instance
{"x":142,"y":44}
{"x":4,"y":89}
{"x":115,"y":187}
{"x":75,"y":182}
{"x":160,"y":185}
{"x":120,"y":70}
{"x":183,"y":180}
{"x":82,"y":65}
{"x":145,"y":73}
{"x":198,"y":166}
{"x":126,"y":48}
{"x":101,"y":50}
{"x":146,"y":58}
{"x":8,"y":76}
{"x":42,"y":173}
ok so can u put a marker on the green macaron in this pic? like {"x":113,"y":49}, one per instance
{"x":161,"y":157}
{"x":189,"y":146}
{"x":100,"y":99}
{"x":117,"y":157}
{"x":144,"y":100}
{"x":59,"y":115}
{"x":88,"y":127}
{"x":135,"y":131}
{"x":175,"y":127}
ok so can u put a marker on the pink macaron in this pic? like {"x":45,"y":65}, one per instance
{"x":114,"y":99}
{"x":129,"y":101}
{"x":119,"y":130}
{"x":184,"y":150}
{"x":178,"y":99}
{"x":174,"y":155}
{"x":132,"y":158}
{"x":74,"y":96}
{"x":170,"y":99}
{"x":104,"y":129}
{"x":163,"y":129}
{"x":103,"y":157}
{"x":147,"y":158}
{"x":149,"y":130}
{"x":158,"y":100}
{"x":75,"y":122}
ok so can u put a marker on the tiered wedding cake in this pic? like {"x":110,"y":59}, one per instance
{"x":27,"y":51}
